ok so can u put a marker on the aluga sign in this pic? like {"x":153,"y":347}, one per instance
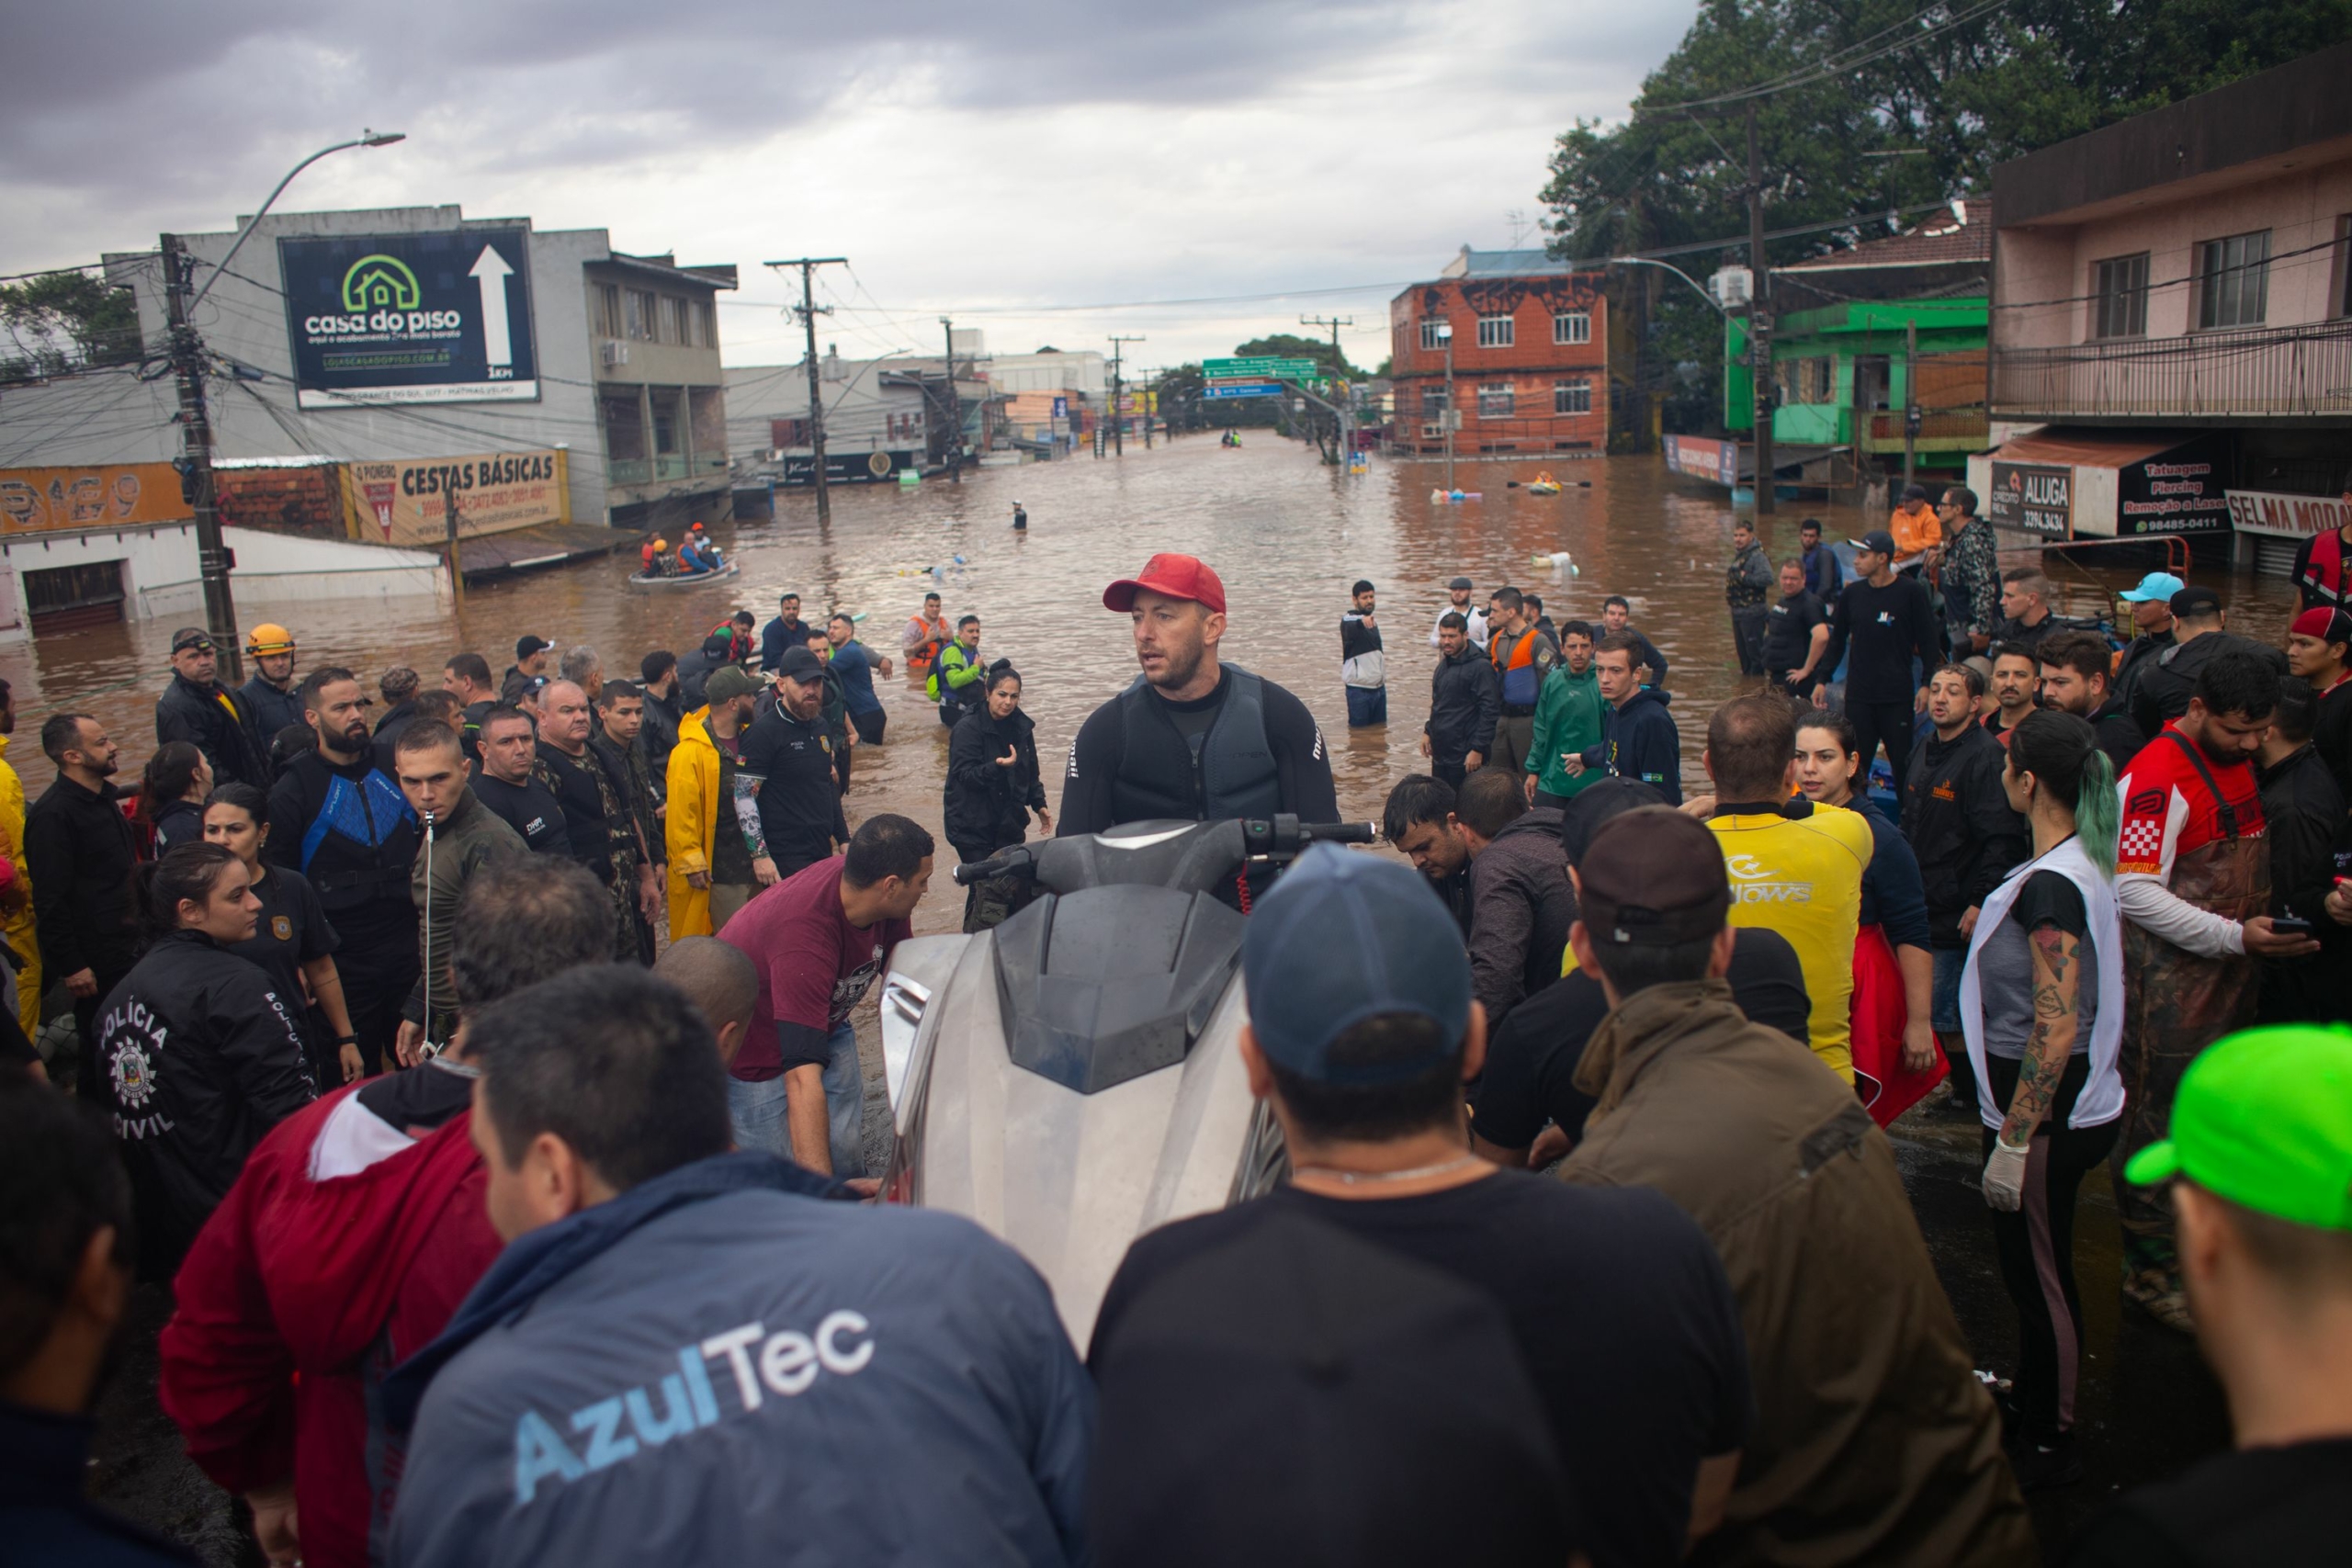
{"x":433,"y":318}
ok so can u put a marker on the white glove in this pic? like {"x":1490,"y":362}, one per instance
{"x":2005,"y":1178}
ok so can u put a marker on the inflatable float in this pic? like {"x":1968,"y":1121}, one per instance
{"x":1445,"y":497}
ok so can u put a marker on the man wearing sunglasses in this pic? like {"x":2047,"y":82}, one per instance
{"x":197,"y":710}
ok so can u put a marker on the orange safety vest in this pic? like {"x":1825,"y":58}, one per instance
{"x":1522,"y":681}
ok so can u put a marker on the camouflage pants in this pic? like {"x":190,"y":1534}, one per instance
{"x":2177,"y":1004}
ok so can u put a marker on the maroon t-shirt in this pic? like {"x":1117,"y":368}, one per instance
{"x":814,"y":967}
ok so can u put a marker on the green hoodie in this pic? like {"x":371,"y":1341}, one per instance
{"x":1568,"y":719}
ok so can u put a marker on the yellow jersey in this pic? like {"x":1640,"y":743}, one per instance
{"x":1801,"y":876}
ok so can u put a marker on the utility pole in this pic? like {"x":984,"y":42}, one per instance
{"x":1445,"y":336}
{"x":808,"y":310}
{"x":1118,"y":413}
{"x":1910,"y":397}
{"x":212,"y":558}
{"x":1335,"y":324}
{"x":1760,"y":322}
{"x":954,"y":409}
{"x":449,"y":518}
{"x":1148,"y":376}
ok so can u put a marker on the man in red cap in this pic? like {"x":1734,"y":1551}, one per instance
{"x":2319,"y":649}
{"x":1192,"y":739}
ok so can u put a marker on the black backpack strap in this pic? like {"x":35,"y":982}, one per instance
{"x":2197,"y":759}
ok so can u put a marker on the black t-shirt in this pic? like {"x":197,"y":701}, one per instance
{"x":800,"y":800}
{"x":1531,"y":1064}
{"x":2050,"y":898}
{"x":1618,"y":1302}
{"x":587,"y":832}
{"x":2281,"y":1507}
{"x":292,"y":929}
{"x":530,"y":808}
{"x":1788,"y":632}
{"x":1881,"y":629}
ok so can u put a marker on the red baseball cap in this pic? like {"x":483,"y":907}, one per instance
{"x":2328,"y":626}
{"x":1175,"y":577}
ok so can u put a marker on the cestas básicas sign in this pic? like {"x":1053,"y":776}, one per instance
{"x":437,"y":318}
{"x":406,"y":502}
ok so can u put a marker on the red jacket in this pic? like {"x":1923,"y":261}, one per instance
{"x":298,"y":1295}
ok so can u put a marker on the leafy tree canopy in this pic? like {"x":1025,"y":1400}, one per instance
{"x":1291,"y":346}
{"x":58,"y":320}
{"x":1944,"y":91}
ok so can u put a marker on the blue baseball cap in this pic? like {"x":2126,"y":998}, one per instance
{"x":2157,"y":587}
{"x":1347,"y":937}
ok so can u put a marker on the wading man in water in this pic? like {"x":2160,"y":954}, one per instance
{"x":1193,"y":738}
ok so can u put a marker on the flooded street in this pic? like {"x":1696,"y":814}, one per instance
{"x":1288,"y":535}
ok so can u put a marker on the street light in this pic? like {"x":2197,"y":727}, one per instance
{"x":366,"y":139}
{"x":1645,"y":261}
{"x":1445,"y":341}
{"x":187,"y":361}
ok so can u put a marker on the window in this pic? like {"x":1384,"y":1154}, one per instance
{"x":677,"y":320}
{"x":1430,"y":339}
{"x":1496,"y":400}
{"x":640,"y":322}
{"x":1495,"y":331}
{"x":709,"y":318}
{"x":2233,"y":280}
{"x":1572,"y":326}
{"x":2119,"y":297}
{"x":609,"y":310}
{"x":1572,"y":397}
{"x":1432,"y":400}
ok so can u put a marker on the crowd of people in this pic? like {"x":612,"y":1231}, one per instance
{"x":482,"y":1081}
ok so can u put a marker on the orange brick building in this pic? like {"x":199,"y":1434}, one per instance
{"x":1530,"y":357}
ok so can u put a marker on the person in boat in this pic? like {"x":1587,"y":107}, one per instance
{"x":654,"y":556}
{"x":692,"y":560}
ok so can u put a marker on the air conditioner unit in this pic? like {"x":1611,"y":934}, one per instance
{"x":615,"y":354}
{"x":1733,"y":286}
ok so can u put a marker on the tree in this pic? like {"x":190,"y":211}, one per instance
{"x":1290,"y":346}
{"x":1954,"y":87}
{"x":58,"y":322}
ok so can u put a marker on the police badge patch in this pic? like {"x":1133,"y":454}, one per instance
{"x":281,"y":928}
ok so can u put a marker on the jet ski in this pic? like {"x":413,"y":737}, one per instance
{"x":1069,"y":1078}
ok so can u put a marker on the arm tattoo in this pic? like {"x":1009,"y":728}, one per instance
{"x":2056,"y":994}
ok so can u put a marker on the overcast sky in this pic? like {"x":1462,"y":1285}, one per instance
{"x":985,"y":159}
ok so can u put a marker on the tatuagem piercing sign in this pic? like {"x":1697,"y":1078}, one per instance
{"x":431,"y":317}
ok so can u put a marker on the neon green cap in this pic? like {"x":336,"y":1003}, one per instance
{"x":2264,"y":1119}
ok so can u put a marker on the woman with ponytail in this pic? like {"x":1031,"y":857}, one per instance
{"x":171,"y":798}
{"x":197,"y":1052}
{"x":2041,"y":1008}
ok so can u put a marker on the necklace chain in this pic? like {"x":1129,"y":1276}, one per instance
{"x":1355,"y":1178}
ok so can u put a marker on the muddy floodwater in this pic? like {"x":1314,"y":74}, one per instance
{"x":1287,"y":534}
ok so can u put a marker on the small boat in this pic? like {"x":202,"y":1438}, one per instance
{"x":691,"y":580}
{"x":1544,"y":484}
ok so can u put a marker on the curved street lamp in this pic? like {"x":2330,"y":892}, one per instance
{"x":1645,"y":261}
{"x":365,"y":139}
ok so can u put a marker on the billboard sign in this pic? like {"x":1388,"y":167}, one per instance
{"x":40,"y":500}
{"x":2033,"y":498}
{"x":406,"y":502}
{"x":1698,"y":457}
{"x":1261,"y":369}
{"x":2177,"y":492}
{"x":429,"y":318}
{"x":2275,"y":515}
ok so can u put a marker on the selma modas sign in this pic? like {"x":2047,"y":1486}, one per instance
{"x":433,"y":318}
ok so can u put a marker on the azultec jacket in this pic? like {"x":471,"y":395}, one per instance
{"x":1873,"y":1440}
{"x":1639,"y":740}
{"x":1959,"y":822}
{"x":719,"y":1365}
{"x":471,"y":836}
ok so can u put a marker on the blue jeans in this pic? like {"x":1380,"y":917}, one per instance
{"x":757,"y":1111}
{"x":1943,"y":1010}
{"x":1366,"y":705}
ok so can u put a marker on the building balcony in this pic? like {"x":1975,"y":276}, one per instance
{"x":2259,"y":373}
{"x":1941,"y":430}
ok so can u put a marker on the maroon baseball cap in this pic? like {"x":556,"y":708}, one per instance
{"x":1173,"y":577}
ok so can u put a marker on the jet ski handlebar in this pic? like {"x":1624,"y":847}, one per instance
{"x":1194,"y":857}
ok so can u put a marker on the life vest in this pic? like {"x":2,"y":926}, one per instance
{"x":1523,"y":678}
{"x":2323,"y":579}
{"x":360,"y":836}
{"x":1233,"y":775}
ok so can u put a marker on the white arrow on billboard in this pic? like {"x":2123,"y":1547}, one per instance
{"x":490,"y":270}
